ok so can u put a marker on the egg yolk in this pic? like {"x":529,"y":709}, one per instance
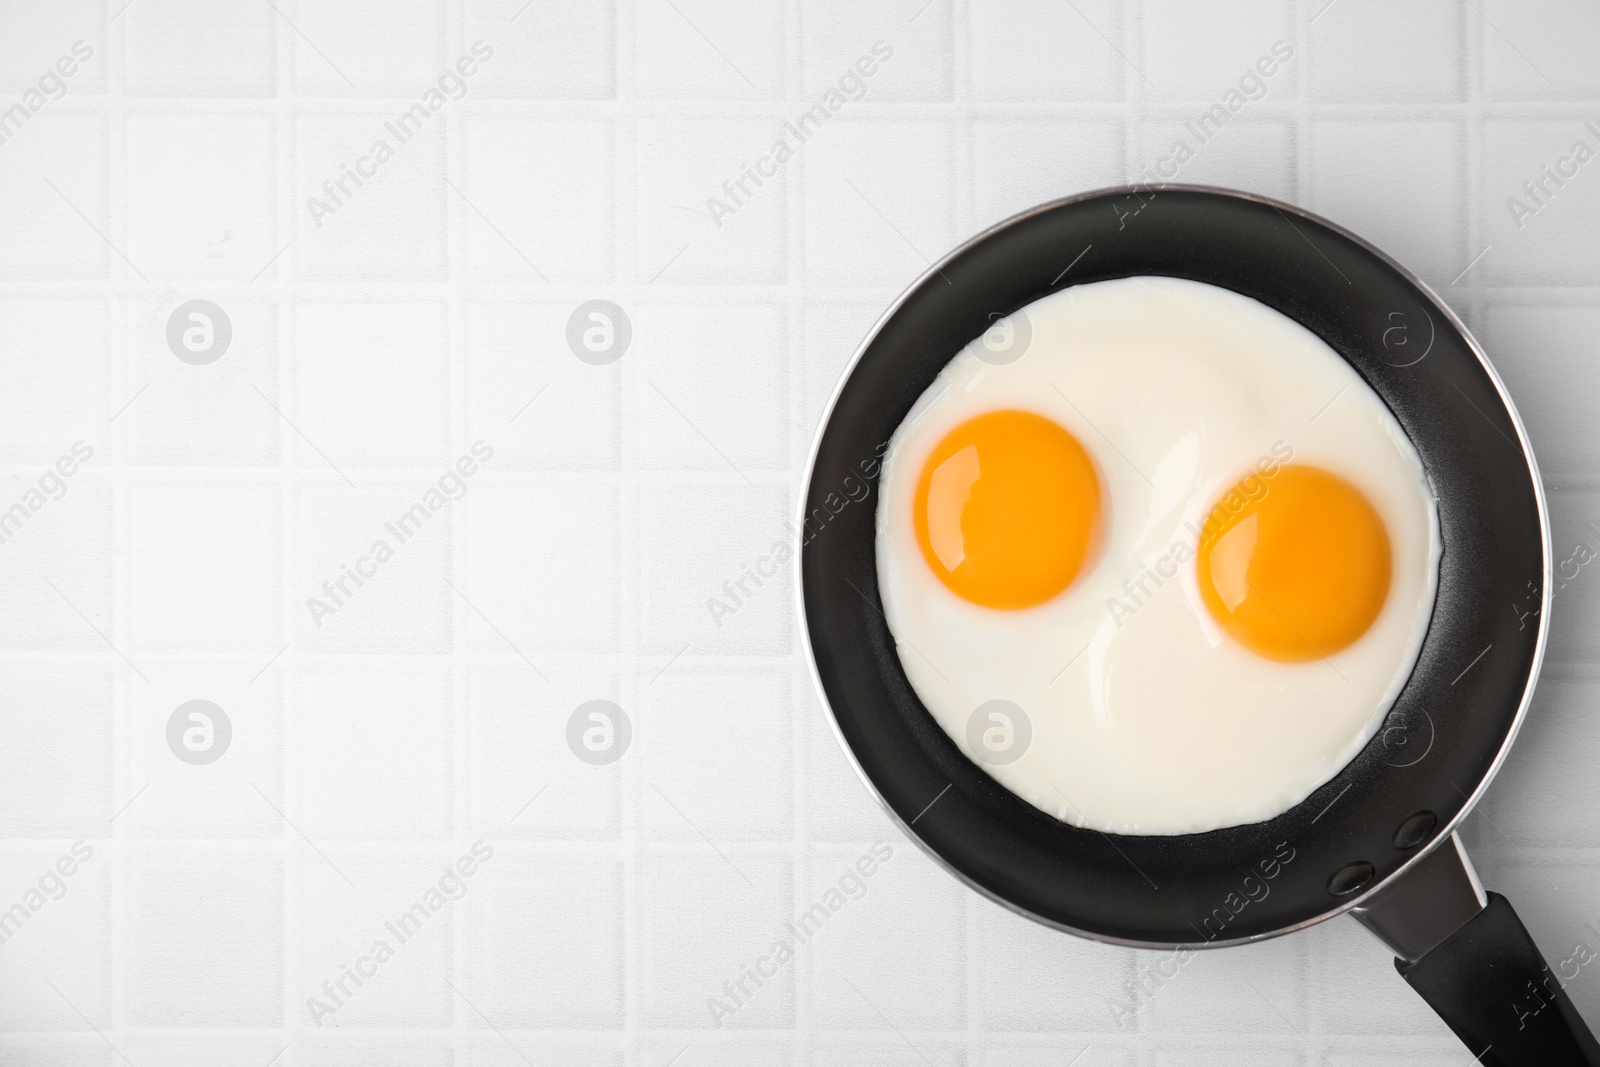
{"x":1006,"y":509}
{"x":1294,"y":565}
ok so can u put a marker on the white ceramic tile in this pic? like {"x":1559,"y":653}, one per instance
{"x":376,"y":929}
{"x":372,"y":569}
{"x":886,"y":952}
{"x":701,"y":542}
{"x":907,"y":48}
{"x":1239,"y":1050}
{"x":1424,"y":232}
{"x":207,"y":568}
{"x":1250,"y":152}
{"x":561,"y":49}
{"x":1575,"y":607}
{"x":361,"y":779}
{"x":42,"y":35}
{"x":68,"y":394}
{"x":194,"y":48}
{"x":689,"y":718}
{"x":55,"y":1051}
{"x":1022,"y":162}
{"x":201,"y":953}
{"x":1390,"y":53}
{"x":527,"y":782}
{"x":830,"y":335}
{"x":365,"y":1051}
{"x":589,"y":1050}
{"x":1250,"y":989}
{"x":51,"y":232}
{"x":886,"y":1048}
{"x":355,"y":417}
{"x":57,"y":915}
{"x":200,"y":1048}
{"x":535,"y":402}
{"x":57,"y":720}
{"x":530,"y":931}
{"x":389,"y":225}
{"x":533,"y":214}
{"x":219,"y":414}
{"x":878,"y":206}
{"x":1538,"y":200}
{"x":691,"y":49}
{"x":1026,"y":982}
{"x":1198,"y":53}
{"x":1536,"y":50}
{"x":543,"y":568}
{"x":702,"y":404}
{"x":688,"y":957}
{"x":1038,"y":51}
{"x":1545,"y":792}
{"x":60,"y":564}
{"x":1540,"y":351}
{"x":372,"y":48}
{"x":201,"y":195}
{"x":713,"y":202}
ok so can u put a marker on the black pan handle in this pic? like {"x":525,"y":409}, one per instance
{"x":1469,"y":956}
{"x":1490,"y":984}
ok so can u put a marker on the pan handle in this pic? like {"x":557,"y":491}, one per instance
{"x":1469,"y":956}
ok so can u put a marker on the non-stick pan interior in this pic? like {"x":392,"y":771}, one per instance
{"x":1445,"y":732}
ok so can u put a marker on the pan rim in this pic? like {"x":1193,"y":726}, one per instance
{"x":1545,"y":593}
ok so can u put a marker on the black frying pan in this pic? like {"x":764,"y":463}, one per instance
{"x":1377,"y":839}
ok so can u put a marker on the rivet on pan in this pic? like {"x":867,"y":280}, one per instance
{"x":1347,"y":880}
{"x":1415,"y":830}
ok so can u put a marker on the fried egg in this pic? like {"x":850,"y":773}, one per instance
{"x":1155,"y":556}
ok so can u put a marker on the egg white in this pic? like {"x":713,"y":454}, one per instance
{"x":1145,"y":718}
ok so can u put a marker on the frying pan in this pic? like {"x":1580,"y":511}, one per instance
{"x":1378,"y":839}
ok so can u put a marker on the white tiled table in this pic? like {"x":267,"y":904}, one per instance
{"x":369,"y":752}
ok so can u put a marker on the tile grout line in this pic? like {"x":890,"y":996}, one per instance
{"x":287,"y":673}
{"x":1134,"y":133}
{"x":625,"y":135}
{"x":1301,"y":192}
{"x":961,"y":124}
{"x":462,"y":920}
{"x":1473,"y":78}
{"x":789,"y":92}
{"x":1475,"y":40}
{"x":121,"y":846}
